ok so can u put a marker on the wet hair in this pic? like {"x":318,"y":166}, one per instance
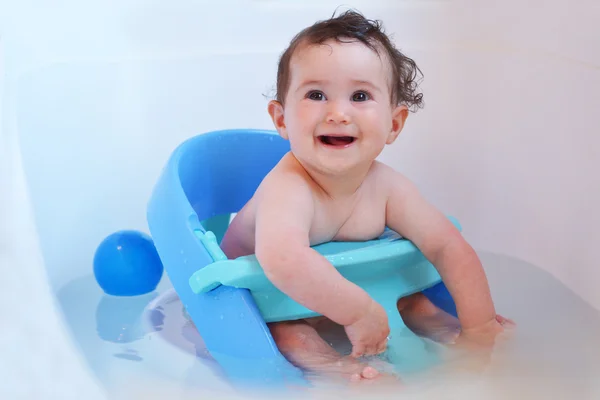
{"x":351,"y":26}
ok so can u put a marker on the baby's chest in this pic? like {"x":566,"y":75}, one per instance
{"x":365,"y":221}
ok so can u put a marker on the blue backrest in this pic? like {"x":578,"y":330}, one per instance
{"x":209,"y":175}
{"x":220,"y":171}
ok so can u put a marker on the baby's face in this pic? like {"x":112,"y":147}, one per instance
{"x":338,"y":113}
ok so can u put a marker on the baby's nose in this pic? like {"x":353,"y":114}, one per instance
{"x":338,"y":114}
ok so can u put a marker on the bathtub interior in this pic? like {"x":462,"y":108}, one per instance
{"x":92,"y":121}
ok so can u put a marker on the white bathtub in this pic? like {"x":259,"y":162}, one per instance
{"x":95,"y":98}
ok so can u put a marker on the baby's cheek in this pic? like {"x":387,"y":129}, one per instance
{"x":307,"y":119}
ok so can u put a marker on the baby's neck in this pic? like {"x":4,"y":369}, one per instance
{"x":340,"y":186}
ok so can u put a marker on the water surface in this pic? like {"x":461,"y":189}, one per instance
{"x":145,"y":347}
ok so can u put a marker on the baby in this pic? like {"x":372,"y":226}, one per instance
{"x":343,"y":94}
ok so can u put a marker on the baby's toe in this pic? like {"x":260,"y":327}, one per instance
{"x":369,"y":373}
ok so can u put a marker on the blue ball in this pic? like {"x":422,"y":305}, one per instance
{"x":126,"y":263}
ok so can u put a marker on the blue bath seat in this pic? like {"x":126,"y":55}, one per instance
{"x":211,"y":176}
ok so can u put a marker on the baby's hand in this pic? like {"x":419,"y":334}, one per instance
{"x":479,"y":342}
{"x":369,"y":334}
{"x":485,"y":334}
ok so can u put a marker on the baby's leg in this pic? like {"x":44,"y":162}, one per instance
{"x":423,"y":318}
{"x":302,"y":345}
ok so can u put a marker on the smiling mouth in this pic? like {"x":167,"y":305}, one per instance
{"x":337,"y":141}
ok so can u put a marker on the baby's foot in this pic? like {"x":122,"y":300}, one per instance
{"x":304,"y":347}
{"x":359,"y":374}
{"x":372,"y":378}
{"x":346,"y":368}
{"x":367,"y":372}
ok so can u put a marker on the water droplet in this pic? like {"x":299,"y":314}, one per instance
{"x":222,"y":316}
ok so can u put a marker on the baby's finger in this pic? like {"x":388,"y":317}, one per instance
{"x":371,"y":350}
{"x":358,"y":350}
{"x":505,"y":321}
{"x":382,"y":346}
{"x":378,"y":348}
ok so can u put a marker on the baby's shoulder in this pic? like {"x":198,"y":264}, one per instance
{"x":384,"y":176}
{"x":387,"y":182}
{"x":286,"y":179}
{"x":380,"y":169}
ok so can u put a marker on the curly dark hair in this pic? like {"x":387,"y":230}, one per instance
{"x":353,"y":26}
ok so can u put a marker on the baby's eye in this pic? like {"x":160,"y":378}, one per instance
{"x":360,"y":96}
{"x":315,"y":95}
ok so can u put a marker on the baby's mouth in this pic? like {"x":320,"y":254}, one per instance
{"x":337,"y":141}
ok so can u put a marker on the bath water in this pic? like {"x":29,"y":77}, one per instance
{"x":144,"y":347}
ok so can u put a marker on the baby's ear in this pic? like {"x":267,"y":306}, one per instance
{"x":399,"y":116}
{"x":276,"y":112}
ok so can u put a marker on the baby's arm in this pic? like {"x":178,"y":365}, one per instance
{"x":409,"y":214}
{"x":284,"y":216}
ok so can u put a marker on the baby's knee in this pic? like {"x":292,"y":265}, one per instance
{"x":291,"y":334}
{"x":404,"y":302}
{"x":410,"y":301}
